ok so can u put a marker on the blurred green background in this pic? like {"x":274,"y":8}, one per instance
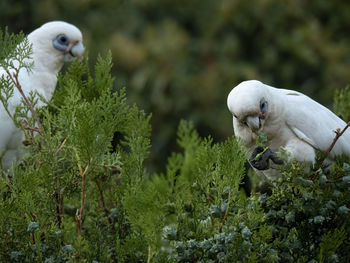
{"x":179,"y":59}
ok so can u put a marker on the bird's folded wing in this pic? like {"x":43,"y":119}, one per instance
{"x":302,"y":136}
{"x":314,"y":123}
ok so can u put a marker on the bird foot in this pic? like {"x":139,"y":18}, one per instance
{"x":262,"y":162}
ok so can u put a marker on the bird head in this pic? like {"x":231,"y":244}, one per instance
{"x":55,"y":43}
{"x":249,"y":105}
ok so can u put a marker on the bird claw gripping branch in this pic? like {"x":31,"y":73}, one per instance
{"x":260,"y":157}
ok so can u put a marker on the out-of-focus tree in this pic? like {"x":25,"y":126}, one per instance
{"x":180,"y":59}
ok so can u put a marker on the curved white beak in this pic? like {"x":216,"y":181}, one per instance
{"x":73,"y":51}
{"x":253,"y":122}
{"x":77,"y":50}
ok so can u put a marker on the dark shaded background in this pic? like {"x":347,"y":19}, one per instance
{"x":179,"y":59}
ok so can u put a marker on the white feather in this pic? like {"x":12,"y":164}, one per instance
{"x":48,"y":61}
{"x":293,"y":121}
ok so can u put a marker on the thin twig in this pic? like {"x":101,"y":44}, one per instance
{"x":79,"y":215}
{"x":61,"y":146}
{"x":337,"y":136}
{"x":59,"y":209}
{"x":102,"y":199}
{"x":8,"y":181}
{"x":14,"y":79}
{"x":35,"y":129}
{"x":149,"y":254}
{"x":338,"y":133}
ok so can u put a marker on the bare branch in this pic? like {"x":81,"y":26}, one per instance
{"x":337,"y":136}
{"x":102,"y":200}
{"x":15,"y":81}
{"x":61,"y":146}
{"x":59,"y":209}
{"x":25,"y":126}
{"x":80,"y":213}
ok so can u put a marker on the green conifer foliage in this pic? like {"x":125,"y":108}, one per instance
{"x":342,"y":103}
{"x":192,"y":199}
{"x":82,"y":193}
{"x":64,"y":201}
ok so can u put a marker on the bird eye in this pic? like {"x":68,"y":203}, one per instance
{"x":63,"y":39}
{"x":263,"y":105}
{"x":61,"y":42}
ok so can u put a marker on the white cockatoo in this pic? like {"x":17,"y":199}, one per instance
{"x":289,"y":119}
{"x":52,"y":44}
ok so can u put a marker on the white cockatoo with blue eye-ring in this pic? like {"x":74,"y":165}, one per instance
{"x":289,"y":119}
{"x":52,"y":44}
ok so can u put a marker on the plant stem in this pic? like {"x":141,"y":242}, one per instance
{"x":259,"y":155}
{"x":15,"y":81}
{"x":79,"y":216}
{"x":82,"y":202}
{"x":59,"y":209}
{"x":337,"y":136}
{"x":149,"y":254}
{"x":61,"y":146}
{"x":102,"y":200}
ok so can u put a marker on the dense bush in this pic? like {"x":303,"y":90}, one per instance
{"x":180,"y":59}
{"x":63,"y":201}
{"x":83,"y":194}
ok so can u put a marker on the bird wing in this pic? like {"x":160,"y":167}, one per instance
{"x":313,"y":123}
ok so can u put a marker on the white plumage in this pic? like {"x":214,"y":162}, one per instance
{"x":52,"y":44}
{"x":289,"y":119}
